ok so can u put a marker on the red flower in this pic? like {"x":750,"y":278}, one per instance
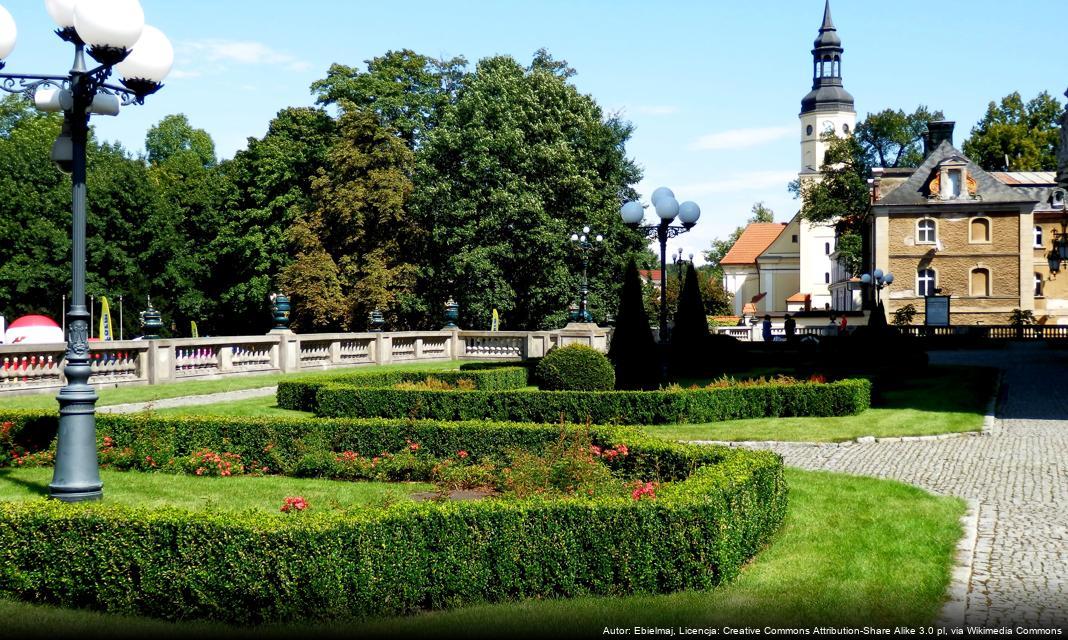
{"x":414,"y":446}
{"x":294,"y":503}
{"x":462,"y":454}
{"x":595,"y":450}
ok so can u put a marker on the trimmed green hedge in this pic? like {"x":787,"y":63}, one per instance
{"x":299,"y":393}
{"x":575,"y":367}
{"x":248,"y":568}
{"x":845,"y":397}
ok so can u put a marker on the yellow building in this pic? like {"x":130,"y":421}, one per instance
{"x":950,"y":228}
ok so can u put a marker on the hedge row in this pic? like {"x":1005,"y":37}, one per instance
{"x":845,"y":397}
{"x":248,"y":568}
{"x":280,"y":443}
{"x":299,"y":393}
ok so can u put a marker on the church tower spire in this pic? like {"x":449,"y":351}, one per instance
{"x":828,"y":107}
{"x":827,"y":92}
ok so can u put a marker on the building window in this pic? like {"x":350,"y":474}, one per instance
{"x":845,"y":129}
{"x":808,"y":130}
{"x":1038,"y":237}
{"x":925,"y":232}
{"x":795,"y":239}
{"x":979,"y":230}
{"x":925,"y":282}
{"x":980,"y":282}
{"x":827,"y":248}
{"x":1038,"y":285}
{"x":826,"y":278}
{"x":955,"y":179}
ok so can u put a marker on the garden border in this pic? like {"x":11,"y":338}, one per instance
{"x":247,"y":568}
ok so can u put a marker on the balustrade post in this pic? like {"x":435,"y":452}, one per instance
{"x":226,"y":359}
{"x":335,"y":351}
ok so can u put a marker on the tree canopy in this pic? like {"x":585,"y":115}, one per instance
{"x":1015,"y":135}
{"x":893,"y":138}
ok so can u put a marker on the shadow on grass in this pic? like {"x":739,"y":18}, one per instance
{"x":38,"y":488}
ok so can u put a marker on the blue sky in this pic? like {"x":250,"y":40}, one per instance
{"x":713,"y":87}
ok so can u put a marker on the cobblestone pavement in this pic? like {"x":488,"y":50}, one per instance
{"x":1018,"y":474}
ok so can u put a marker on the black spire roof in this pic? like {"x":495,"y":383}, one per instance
{"x":827,"y":93}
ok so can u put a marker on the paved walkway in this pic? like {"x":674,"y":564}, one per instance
{"x":188,"y":401}
{"x":1018,"y":475}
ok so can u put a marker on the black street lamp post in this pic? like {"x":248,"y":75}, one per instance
{"x":667,"y":208}
{"x":584,"y":244}
{"x":116,"y":36}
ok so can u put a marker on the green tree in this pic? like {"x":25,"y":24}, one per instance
{"x":516,"y":164}
{"x":1017,"y":136}
{"x":273,"y":181}
{"x":633,"y":351}
{"x":893,"y":138}
{"x":690,"y":333}
{"x":174,"y":135}
{"x":360,"y":224}
{"x":406,"y":90}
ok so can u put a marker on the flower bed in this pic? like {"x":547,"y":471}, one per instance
{"x":773,"y":399}
{"x":299,"y":393}
{"x":692,"y":517}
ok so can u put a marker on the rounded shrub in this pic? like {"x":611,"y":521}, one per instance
{"x":575,"y":368}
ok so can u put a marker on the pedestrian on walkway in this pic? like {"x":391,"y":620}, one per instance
{"x":766,"y":328}
{"x":790,"y":327}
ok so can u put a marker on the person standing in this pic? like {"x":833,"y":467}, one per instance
{"x":766,"y":328}
{"x":842,"y":326}
{"x":832,"y":327}
{"x":790,"y":326}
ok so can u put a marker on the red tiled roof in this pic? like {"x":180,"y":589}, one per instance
{"x":756,"y":238}
{"x":650,"y":274}
{"x":799,"y":297}
{"x":1030,"y":178}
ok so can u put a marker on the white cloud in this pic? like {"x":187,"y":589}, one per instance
{"x":657,"y":110}
{"x":745,"y":181}
{"x":180,"y":74}
{"x":741,"y":138}
{"x":242,"y":52}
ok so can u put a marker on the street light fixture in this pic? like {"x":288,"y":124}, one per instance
{"x":878,"y":280}
{"x":585,"y":243}
{"x":667,"y":209}
{"x":112,"y":32}
{"x":679,"y":264}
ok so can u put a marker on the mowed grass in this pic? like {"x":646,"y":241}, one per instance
{"x":263,"y":406}
{"x":853,"y":551}
{"x":124,"y":394}
{"x":235,"y":493}
{"x":941,"y":400}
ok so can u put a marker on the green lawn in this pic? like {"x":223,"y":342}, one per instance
{"x":264,"y":406}
{"x":236,"y":493}
{"x":942,"y":400}
{"x":147,"y":393}
{"x":853,"y":551}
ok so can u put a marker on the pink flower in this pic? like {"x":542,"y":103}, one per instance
{"x":462,"y":454}
{"x":294,"y":503}
{"x":595,"y":450}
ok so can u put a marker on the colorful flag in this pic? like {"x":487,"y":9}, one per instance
{"x":495,"y":325}
{"x":105,"y":320}
{"x":193,"y":329}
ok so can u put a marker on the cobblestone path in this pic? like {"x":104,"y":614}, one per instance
{"x":1018,"y":475}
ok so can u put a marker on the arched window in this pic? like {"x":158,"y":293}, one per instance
{"x":980,"y":282}
{"x":979,"y":230}
{"x":925,"y":232}
{"x":826,"y":278}
{"x":925,"y":282}
{"x":1038,"y":285}
{"x":1038,"y":236}
{"x":827,"y":248}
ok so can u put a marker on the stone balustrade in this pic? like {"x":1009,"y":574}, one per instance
{"x":39,"y":367}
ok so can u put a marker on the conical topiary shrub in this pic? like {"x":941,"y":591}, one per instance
{"x":689,"y":338}
{"x":634,"y":353}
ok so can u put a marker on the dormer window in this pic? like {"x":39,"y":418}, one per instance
{"x":955,"y":178}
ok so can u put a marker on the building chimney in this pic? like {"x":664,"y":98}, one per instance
{"x":937,"y":132}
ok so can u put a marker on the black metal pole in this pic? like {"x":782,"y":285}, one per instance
{"x":584,"y":315}
{"x":662,"y":236}
{"x":77,"y":475}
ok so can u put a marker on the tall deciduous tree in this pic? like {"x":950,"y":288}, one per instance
{"x":406,"y":90}
{"x":520,"y":161}
{"x":1017,"y":136}
{"x":358,"y":238}
{"x":894,"y":138}
{"x":273,"y":177}
{"x":174,"y":135}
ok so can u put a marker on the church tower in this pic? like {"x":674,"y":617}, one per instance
{"x":828,"y":107}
